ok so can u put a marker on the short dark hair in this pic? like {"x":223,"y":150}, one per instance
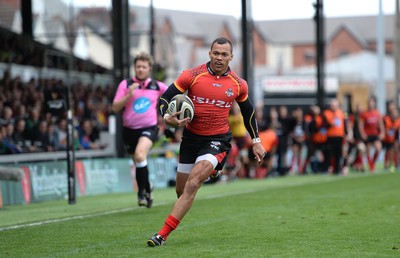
{"x":222,"y":41}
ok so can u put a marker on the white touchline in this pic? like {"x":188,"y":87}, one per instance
{"x":64,"y":219}
{"x":39,"y":223}
{"x":50,"y":221}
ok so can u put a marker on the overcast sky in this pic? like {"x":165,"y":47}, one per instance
{"x":263,"y":9}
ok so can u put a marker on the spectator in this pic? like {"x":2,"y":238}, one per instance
{"x":7,"y":116}
{"x":61,"y":130}
{"x":41,"y":139}
{"x":54,"y":98}
{"x":32,"y":121}
{"x":21,"y":112}
{"x":88,"y":139}
{"x":9,"y":140}
{"x":52,"y":137}
{"x":4,"y":147}
{"x":20,"y":137}
{"x":1,"y":107}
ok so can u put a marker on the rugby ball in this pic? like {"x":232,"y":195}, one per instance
{"x":183,"y":103}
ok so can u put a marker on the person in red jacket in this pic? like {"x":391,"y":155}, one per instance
{"x":372,"y":131}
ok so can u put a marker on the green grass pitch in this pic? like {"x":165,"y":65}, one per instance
{"x":295,"y":216}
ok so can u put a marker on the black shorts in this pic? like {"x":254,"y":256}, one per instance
{"x":131,"y":136}
{"x":388,"y":145}
{"x":194,"y":145}
{"x":372,"y":138}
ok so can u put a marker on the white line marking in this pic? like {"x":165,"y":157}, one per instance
{"x":39,"y":223}
{"x":50,"y":221}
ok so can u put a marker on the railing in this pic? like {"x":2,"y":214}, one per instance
{"x":106,"y":139}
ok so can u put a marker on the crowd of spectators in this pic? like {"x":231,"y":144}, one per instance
{"x":33,"y":114}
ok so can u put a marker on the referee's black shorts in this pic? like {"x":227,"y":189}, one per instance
{"x":131,"y":136}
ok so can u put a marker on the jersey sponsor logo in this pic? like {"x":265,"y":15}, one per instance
{"x":141,"y":105}
{"x":146,"y":133}
{"x":229,"y":92}
{"x":216,"y":84}
{"x":216,"y":102}
{"x":215,"y":145}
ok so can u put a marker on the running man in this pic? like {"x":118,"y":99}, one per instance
{"x":137,"y":97}
{"x":213,"y":87}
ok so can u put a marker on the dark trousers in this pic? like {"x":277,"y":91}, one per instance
{"x":333,"y":154}
{"x":281,"y":154}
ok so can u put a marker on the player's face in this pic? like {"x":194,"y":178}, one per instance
{"x":220,"y":57}
{"x":142,"y":70}
{"x":371,"y":104}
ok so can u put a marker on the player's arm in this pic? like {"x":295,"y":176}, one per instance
{"x":170,"y":119}
{"x":119,"y":103}
{"x":381,"y":128}
{"x":348,"y":131}
{"x":327,"y":119}
{"x":249,"y":117}
{"x":361,"y":127}
{"x":248,"y":112}
{"x":166,"y":97}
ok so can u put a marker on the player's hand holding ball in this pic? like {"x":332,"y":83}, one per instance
{"x":180,"y":111}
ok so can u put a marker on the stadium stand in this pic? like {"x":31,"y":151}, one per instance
{"x":34,"y":81}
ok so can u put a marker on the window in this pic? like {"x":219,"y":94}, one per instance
{"x":342,"y":52}
{"x":309,"y":55}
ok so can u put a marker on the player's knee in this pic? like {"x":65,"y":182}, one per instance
{"x":140,"y":156}
{"x":193,"y":184}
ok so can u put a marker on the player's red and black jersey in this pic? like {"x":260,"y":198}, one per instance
{"x":371,"y":122}
{"x":212,"y":97}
